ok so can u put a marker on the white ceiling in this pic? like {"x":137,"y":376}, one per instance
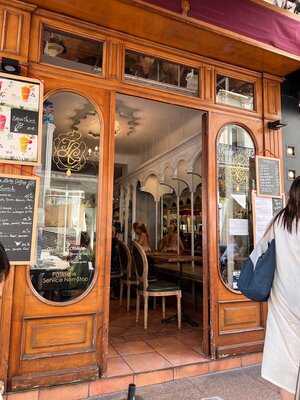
{"x":152,"y":121}
{"x":143,"y":123}
{"x":68,"y":107}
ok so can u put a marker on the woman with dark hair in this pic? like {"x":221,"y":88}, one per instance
{"x":142,"y":236}
{"x":4,"y":266}
{"x":281,"y":356}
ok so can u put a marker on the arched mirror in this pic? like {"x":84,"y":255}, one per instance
{"x":236,"y":174}
{"x":66,"y":244}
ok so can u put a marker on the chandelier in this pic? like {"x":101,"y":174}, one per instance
{"x":69,"y":152}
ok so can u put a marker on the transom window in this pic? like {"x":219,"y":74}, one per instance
{"x":235,"y":92}
{"x":70,"y":51}
{"x":161,"y":73}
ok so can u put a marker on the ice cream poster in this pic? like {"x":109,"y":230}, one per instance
{"x":19,"y":94}
{"x":18,"y":147}
{"x":19,"y":120}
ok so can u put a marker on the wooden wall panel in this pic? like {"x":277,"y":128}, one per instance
{"x":58,"y":335}
{"x":15,"y":29}
{"x":239,"y":316}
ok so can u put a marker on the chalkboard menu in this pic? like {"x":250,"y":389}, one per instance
{"x":268,"y":173}
{"x":18,"y":199}
{"x":20,"y":119}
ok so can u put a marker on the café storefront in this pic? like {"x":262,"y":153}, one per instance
{"x":127,"y":116}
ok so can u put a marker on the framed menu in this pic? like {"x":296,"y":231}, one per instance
{"x":264,"y":210}
{"x":18,"y":217}
{"x":21,"y":112}
{"x":268,"y":177}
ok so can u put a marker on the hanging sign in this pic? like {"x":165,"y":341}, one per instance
{"x":264,"y":210}
{"x":21,"y":111}
{"x":268,"y":177}
{"x":18,"y":203}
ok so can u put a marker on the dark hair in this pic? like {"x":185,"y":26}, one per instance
{"x":4,"y":263}
{"x":291,"y":212}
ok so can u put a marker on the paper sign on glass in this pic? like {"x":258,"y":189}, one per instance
{"x":20,"y":119}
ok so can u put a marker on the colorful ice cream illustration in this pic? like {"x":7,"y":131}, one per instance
{"x":2,"y":122}
{"x":24,"y":142}
{"x":25,"y":92}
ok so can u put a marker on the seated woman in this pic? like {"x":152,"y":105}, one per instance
{"x":142,"y":236}
{"x":169,"y":243}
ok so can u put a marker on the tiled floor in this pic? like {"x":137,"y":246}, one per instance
{"x":242,"y":384}
{"x":132,"y":349}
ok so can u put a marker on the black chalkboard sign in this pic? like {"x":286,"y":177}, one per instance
{"x":268,"y":175}
{"x":18,"y":196}
{"x":24,"y":121}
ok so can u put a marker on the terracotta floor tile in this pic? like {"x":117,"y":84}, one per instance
{"x":180,"y":355}
{"x":33,"y":395}
{"x":190,"y":339}
{"x":116,"y":366}
{"x":134,"y":347}
{"x":66,"y":392}
{"x":104,"y":386}
{"x":146,"y":362}
{"x":153,"y":378}
{"x":251,"y":359}
{"x":163,"y":342}
{"x":186,"y":371}
{"x":222,"y":365}
{"x":111,"y":351}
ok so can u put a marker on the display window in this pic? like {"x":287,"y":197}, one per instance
{"x":67,"y":212}
{"x":236,"y":172}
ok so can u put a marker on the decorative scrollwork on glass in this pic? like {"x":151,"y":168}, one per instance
{"x":69,"y":152}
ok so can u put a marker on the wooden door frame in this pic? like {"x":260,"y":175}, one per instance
{"x":243,"y":336}
{"x":205,"y":129}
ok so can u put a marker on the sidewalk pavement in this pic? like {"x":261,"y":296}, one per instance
{"x":242,"y":384}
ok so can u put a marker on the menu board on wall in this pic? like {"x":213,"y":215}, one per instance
{"x":264,"y":210}
{"x":268,"y":177}
{"x":20,"y":119}
{"x":18,"y":202}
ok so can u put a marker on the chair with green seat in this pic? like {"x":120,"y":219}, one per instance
{"x":152,"y":289}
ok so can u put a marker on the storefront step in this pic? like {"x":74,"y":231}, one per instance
{"x":113,"y":384}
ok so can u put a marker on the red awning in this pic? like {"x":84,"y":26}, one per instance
{"x":246,"y":18}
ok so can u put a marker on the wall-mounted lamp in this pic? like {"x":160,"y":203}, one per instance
{"x":276,"y":125}
{"x":290,"y":151}
{"x":10,"y":66}
{"x":291,"y":174}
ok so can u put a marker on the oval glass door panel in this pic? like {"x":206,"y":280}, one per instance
{"x":65,"y":263}
{"x":236,"y":175}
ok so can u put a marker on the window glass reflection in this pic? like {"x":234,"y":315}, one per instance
{"x":161,"y":73}
{"x":235,"y":156}
{"x":68,"y":198}
{"x":70,"y":51}
{"x":235,"y":92}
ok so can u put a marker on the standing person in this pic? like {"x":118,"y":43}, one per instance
{"x":4,"y":267}
{"x":281,"y":356}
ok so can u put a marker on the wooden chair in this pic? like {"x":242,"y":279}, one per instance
{"x":152,"y":289}
{"x":117,"y":274}
{"x":129,"y":277}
